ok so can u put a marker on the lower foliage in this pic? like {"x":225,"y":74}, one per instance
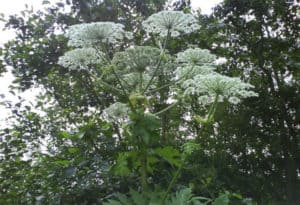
{"x":181,"y":197}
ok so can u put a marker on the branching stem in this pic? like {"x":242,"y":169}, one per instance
{"x":159,"y":62}
{"x":167,"y":108}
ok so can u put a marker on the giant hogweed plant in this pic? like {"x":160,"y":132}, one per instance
{"x":132,"y":73}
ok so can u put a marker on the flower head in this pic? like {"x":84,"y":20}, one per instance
{"x":196,"y":56}
{"x":189,"y":71}
{"x":211,"y":85}
{"x":91,"y":34}
{"x":80,"y":59}
{"x":172,"y":22}
{"x":137,"y":59}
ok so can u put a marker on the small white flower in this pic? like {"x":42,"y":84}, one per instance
{"x":234,"y":100}
{"x":221,"y":61}
{"x":172,"y":22}
{"x":92,"y":34}
{"x":205,"y":99}
{"x":80,"y":59}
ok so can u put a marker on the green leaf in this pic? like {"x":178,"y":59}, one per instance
{"x":80,"y":134}
{"x":137,"y":198}
{"x":62,"y":162}
{"x":238,"y":196}
{"x":170,"y":154}
{"x":182,"y":197}
{"x":121,"y":167}
{"x":222,"y":199}
{"x":64,"y":134}
{"x":190,"y":147}
{"x":151,"y":121}
{"x":150,"y":161}
{"x":73,"y":150}
{"x":106,"y":126}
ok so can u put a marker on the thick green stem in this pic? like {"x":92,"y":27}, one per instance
{"x":213,"y":108}
{"x":143,"y":170}
{"x":172,"y":183}
{"x":142,"y":155}
{"x":140,"y":82}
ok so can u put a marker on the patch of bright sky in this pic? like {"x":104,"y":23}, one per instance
{"x":205,"y":5}
{"x":14,"y":7}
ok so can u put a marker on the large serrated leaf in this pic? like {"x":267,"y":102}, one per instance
{"x":222,"y":199}
{"x":170,"y":154}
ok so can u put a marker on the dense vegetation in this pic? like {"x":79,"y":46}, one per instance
{"x":143,"y":115}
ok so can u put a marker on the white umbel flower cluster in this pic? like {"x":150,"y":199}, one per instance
{"x":194,"y":62}
{"x":196,"y":56}
{"x":93,"y":34}
{"x":80,"y":59}
{"x":115,"y":112}
{"x":199,"y":78}
{"x":212,"y":85}
{"x":173,"y":22}
{"x":138,"y":59}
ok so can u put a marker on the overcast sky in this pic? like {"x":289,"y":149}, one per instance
{"x":15,"y":6}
